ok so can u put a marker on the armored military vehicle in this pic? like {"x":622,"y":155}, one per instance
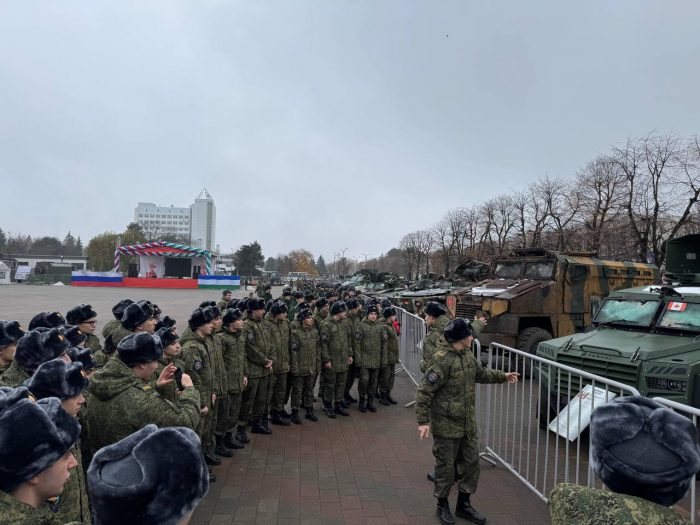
{"x":647,"y":337}
{"x":537,"y":294}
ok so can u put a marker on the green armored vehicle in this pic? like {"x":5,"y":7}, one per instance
{"x":646,"y":337}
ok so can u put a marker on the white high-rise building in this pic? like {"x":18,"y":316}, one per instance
{"x":203,"y":222}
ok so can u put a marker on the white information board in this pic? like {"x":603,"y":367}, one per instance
{"x":568,"y":424}
{"x":22,"y":272}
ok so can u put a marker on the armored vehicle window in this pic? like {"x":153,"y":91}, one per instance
{"x":684,"y":316}
{"x":539,"y":270}
{"x":635,"y":313}
{"x":508,"y":270}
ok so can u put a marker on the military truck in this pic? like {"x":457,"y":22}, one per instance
{"x":647,"y":337}
{"x":537,"y":294}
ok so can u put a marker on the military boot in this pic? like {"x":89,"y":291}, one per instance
{"x":266,"y":423}
{"x":285,"y":415}
{"x":277,"y":418}
{"x":221,"y":450}
{"x":212,"y":476}
{"x":295,"y":417}
{"x":443,"y":512}
{"x":382,"y":399}
{"x":363,"y":404}
{"x":231,"y":442}
{"x":391,"y":399}
{"x":343,"y":404}
{"x":431,"y":476}
{"x":257,"y":427}
{"x":370,"y":404}
{"x":340,"y":409}
{"x":328,"y":409}
{"x":348,"y":398}
{"x":242,"y":435}
{"x":310,"y":414}
{"x":465,"y":510}
{"x":212,"y":461}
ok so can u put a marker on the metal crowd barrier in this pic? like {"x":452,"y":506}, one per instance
{"x":413,"y":330}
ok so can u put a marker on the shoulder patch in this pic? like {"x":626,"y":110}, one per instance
{"x":197,"y":366}
{"x":294,"y":345}
{"x":358,"y":336}
{"x":440,"y":353}
{"x":432,"y":377}
{"x":251,"y":336}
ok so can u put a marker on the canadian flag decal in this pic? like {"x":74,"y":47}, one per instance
{"x":677,"y":307}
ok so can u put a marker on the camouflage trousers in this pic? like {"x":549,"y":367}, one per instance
{"x":228,"y":413}
{"x":333,"y":385}
{"x":221,"y":420}
{"x":278,"y":391}
{"x":456,"y":460}
{"x":207,"y":423}
{"x":369,"y":378}
{"x":386,"y":378}
{"x":353,"y":373}
{"x":303,"y":391}
{"x":248,"y":400}
{"x":261,"y":404}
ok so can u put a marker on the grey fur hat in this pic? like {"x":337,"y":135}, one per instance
{"x":80,"y":313}
{"x":136,"y":314}
{"x":154,"y":476}
{"x":277,"y":308}
{"x":46,"y":320}
{"x":56,"y":378}
{"x":338,"y":307}
{"x":641,"y":448}
{"x":200,"y":317}
{"x":33,"y":435}
{"x":38,"y":346}
{"x":74,"y":335}
{"x":118,"y":309}
{"x":139,"y":348}
{"x":82,"y":356}
{"x":167,"y":336}
{"x":303,"y":313}
{"x":10,"y":332}
{"x":255,"y":303}
{"x":231,"y":315}
{"x":457,"y":329}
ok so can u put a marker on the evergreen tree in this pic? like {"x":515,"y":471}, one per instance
{"x":321,"y":265}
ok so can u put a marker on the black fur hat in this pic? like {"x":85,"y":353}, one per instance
{"x":156,"y":310}
{"x":388,"y":312}
{"x":80,"y":313}
{"x":277,"y":308}
{"x":243,"y":304}
{"x":165,"y":322}
{"x":434,"y":309}
{"x":287,"y":291}
{"x":38,"y":346}
{"x":268,"y":287}
{"x":372,"y":308}
{"x":641,"y":448}
{"x":457,"y":329}
{"x":303,"y":313}
{"x":167,"y":336}
{"x":33,"y":435}
{"x":268,"y":305}
{"x":152,"y":476}
{"x":255,"y":303}
{"x":338,"y":307}
{"x":74,"y":335}
{"x":139,"y":348}
{"x":82,"y":356}
{"x":352,"y":303}
{"x":386,"y":303}
{"x":231,"y":315}
{"x":10,"y":332}
{"x":297,"y":294}
{"x":214,"y":309}
{"x":46,"y":320}
{"x":200,"y":317}
{"x":118,"y":309}
{"x":321,"y":302}
{"x":136,"y":314}
{"x":308,"y":296}
{"x":56,"y":378}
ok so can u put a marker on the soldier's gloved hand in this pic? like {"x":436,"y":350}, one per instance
{"x":186,"y":381}
{"x":166,"y":376}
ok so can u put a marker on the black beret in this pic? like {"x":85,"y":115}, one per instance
{"x":231,"y":315}
{"x":372,"y":309}
{"x":352,"y":303}
{"x":388,"y":312}
{"x":82,"y":356}
{"x":167,"y":336}
{"x":338,"y":307}
{"x":303,"y":313}
{"x":200,"y":317}
{"x":118,"y":309}
{"x":277,"y":308}
{"x":10,"y":332}
{"x":165,"y":322}
{"x":74,"y":335}
{"x":457,"y":329}
{"x":641,"y":448}
{"x":38,"y":346}
{"x":56,"y":378}
{"x":136,"y":314}
{"x":139,"y":348}
{"x":321,"y":302}
{"x":151,"y":476}
{"x":33,"y":436}
{"x":46,"y":320}
{"x":255,"y":303}
{"x":80,"y":313}
{"x":434,"y":309}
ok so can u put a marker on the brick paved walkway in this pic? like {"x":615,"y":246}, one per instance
{"x":363,"y":469}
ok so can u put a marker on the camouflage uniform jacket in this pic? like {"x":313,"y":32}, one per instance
{"x":279,"y":330}
{"x":336,"y":345}
{"x":119,"y":404}
{"x":118,"y":334}
{"x":167,"y":391}
{"x":235,"y":362}
{"x":258,"y":348}
{"x":222,"y":305}
{"x":107,"y":330}
{"x":578,"y":505}
{"x":445,"y":397}
{"x":74,"y":505}
{"x":14,"y":376}
{"x":305,"y":346}
{"x":430,"y":341}
{"x":370,"y":344}
{"x":198,"y":355}
{"x":319,"y":319}
{"x":3,"y":368}
{"x":14,"y":512}
{"x":218,"y":361}
{"x":93,"y":343}
{"x":392,"y":343}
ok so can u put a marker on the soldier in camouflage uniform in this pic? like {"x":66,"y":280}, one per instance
{"x":280,"y":330}
{"x":226,"y":297}
{"x":171,"y":356}
{"x":236,"y":364}
{"x":102,"y":356}
{"x":85,"y":318}
{"x":10,"y":333}
{"x":370,"y":356}
{"x":353,"y":320}
{"x":259,"y":353}
{"x":138,"y":317}
{"x":388,"y":371}
{"x":336,"y":355}
{"x":34,"y":348}
{"x":305,"y":348}
{"x":445,"y":405}
{"x":36,"y":456}
{"x":67,"y":382}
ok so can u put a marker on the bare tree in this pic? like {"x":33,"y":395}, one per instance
{"x":409,"y":251}
{"x":498,"y":214}
{"x":564,"y":201}
{"x":425,"y":242}
{"x":445,"y":241}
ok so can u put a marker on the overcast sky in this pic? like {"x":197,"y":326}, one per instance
{"x":322,"y":125}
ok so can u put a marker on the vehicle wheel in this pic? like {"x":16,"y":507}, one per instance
{"x":528,"y":340}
